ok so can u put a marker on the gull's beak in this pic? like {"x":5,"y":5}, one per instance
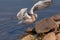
{"x":24,"y":10}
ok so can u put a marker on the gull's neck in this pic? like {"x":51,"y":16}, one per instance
{"x":31,"y":11}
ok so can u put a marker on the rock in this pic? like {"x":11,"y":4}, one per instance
{"x":30,"y":30}
{"x":58,"y":36}
{"x":28,"y":37}
{"x":56,"y":17}
{"x":49,"y":36}
{"x":45,"y":25}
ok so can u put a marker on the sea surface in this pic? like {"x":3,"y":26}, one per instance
{"x":9,"y":27}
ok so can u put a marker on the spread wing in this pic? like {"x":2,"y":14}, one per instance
{"x":40,"y":5}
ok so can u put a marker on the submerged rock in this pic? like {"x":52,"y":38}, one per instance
{"x":49,"y":36}
{"x":28,"y":37}
{"x":30,"y":30}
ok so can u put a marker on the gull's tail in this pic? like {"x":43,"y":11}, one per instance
{"x":21,"y":22}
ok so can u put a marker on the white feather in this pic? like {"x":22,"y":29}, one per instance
{"x":22,"y":14}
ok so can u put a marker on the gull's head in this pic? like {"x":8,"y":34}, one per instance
{"x":21,"y":13}
{"x":23,"y":10}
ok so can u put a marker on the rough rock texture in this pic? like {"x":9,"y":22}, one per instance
{"x":44,"y":29}
{"x":58,"y":36}
{"x":45,"y":25}
{"x":49,"y":36}
{"x":56,"y":17}
{"x":28,"y":37}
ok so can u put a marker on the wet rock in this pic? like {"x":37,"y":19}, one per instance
{"x":30,"y":30}
{"x":28,"y":37}
{"x":49,"y":36}
{"x":45,"y":25}
{"x":58,"y":36}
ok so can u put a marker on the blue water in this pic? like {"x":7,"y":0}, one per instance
{"x":9,"y":29}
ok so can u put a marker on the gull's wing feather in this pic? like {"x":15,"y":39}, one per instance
{"x":40,"y":5}
{"x":35,"y":7}
{"x":22,"y":14}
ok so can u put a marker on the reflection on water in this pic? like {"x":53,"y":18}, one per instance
{"x":9,"y":29}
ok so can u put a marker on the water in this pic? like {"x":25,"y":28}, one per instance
{"x":9,"y":29}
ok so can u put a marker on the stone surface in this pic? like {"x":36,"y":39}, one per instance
{"x":49,"y":36}
{"x":28,"y":37}
{"x":56,"y":17}
{"x":45,"y":25}
{"x":58,"y":36}
{"x":30,"y":30}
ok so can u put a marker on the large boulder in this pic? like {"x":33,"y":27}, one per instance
{"x":45,"y":25}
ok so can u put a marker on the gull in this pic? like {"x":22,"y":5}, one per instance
{"x":26,"y":18}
